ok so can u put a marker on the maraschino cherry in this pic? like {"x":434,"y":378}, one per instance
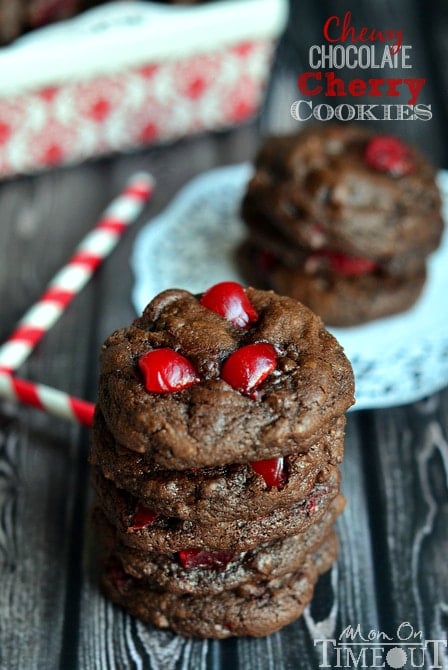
{"x":143,"y":516}
{"x":229,"y":299}
{"x":249,"y":366}
{"x":389,"y":154}
{"x":198,"y":558}
{"x":166,"y":371}
{"x":273,"y":471}
{"x":342,"y":264}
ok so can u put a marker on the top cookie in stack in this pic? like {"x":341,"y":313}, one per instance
{"x":267,"y":381}
{"x":217,"y":438}
{"x":343,"y":220}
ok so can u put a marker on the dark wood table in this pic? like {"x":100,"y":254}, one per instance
{"x":394,"y":542}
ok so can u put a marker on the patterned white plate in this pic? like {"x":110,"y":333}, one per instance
{"x":192,"y":245}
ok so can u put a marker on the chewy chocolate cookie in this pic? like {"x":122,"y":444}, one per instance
{"x":271,"y":605}
{"x":203,"y":572}
{"x":166,"y":534}
{"x":349,"y":300}
{"x":268,"y":388}
{"x":336,"y":206}
{"x":213,"y":494}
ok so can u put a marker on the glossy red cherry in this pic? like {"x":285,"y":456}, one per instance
{"x":273,"y":471}
{"x":166,"y":371}
{"x":198,"y":558}
{"x":229,"y":299}
{"x":142,"y":517}
{"x":389,"y":154}
{"x":249,"y":366}
{"x":343,"y":264}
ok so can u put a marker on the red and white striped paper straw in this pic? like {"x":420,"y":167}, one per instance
{"x":46,"y":398}
{"x":69,"y":281}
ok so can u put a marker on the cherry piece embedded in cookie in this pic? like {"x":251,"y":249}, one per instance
{"x":249,"y":366}
{"x":352,"y":265}
{"x":120,"y":579}
{"x":342,"y":264}
{"x":273,"y":471}
{"x":266,"y":261}
{"x":389,"y":154}
{"x":166,"y":371}
{"x":198,"y":558}
{"x":310,"y":505}
{"x":142,"y":517}
{"x":229,"y":299}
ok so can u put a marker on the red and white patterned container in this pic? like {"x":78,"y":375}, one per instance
{"x":129,"y":74}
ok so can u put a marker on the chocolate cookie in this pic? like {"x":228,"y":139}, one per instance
{"x":343,"y":220}
{"x":172,"y":535}
{"x":320,"y":189}
{"x":211,"y":494}
{"x":203,"y":573}
{"x":349,"y":301}
{"x":226,"y":408}
{"x":270,"y":606}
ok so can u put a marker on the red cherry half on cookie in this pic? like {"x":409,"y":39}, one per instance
{"x":198,"y":558}
{"x":142,"y":517}
{"x":229,"y":299}
{"x":249,"y":366}
{"x":342,"y":264}
{"x":389,"y":154}
{"x":166,"y":371}
{"x":272,"y":470}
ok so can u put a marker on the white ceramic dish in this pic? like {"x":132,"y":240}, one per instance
{"x":129,"y":74}
{"x":86,"y":45}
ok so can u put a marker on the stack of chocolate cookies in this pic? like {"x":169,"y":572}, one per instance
{"x":342,"y":220}
{"x":218,"y":433}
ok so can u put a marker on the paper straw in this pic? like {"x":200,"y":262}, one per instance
{"x":69,"y":281}
{"x":46,"y":398}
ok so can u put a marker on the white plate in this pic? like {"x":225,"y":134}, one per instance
{"x":192,"y":245}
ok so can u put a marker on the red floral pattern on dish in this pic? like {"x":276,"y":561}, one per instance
{"x":155,"y":101}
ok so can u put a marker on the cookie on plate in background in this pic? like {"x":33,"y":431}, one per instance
{"x":343,"y":220}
